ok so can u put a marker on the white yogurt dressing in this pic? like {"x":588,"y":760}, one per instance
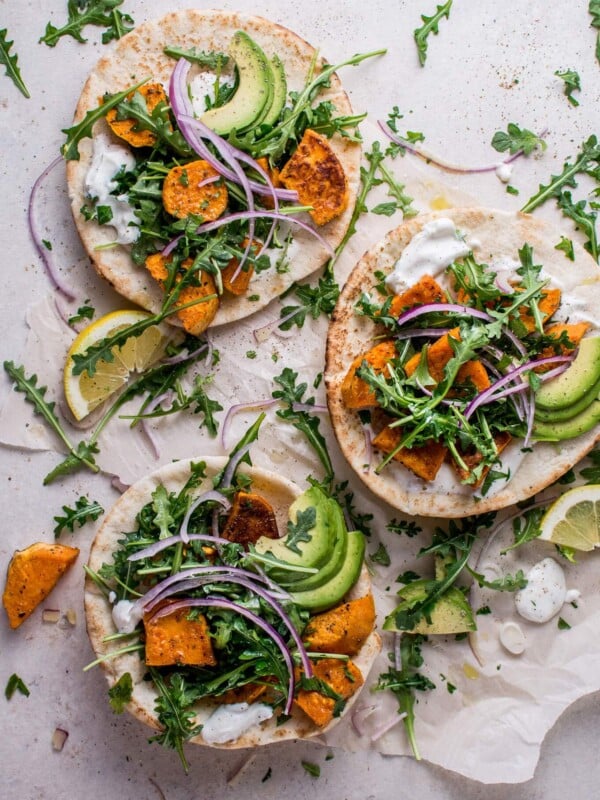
{"x":230,"y":721}
{"x":107,"y":160}
{"x":545,"y":593}
{"x":126,"y":616}
{"x":504,"y":171}
{"x":202,"y":84}
{"x":429,"y":252}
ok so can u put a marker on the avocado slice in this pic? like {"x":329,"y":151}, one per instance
{"x":330,"y":593}
{"x":254,"y":92}
{"x":575,"y":382}
{"x":450,"y":614}
{"x":309,"y":554}
{"x":279,"y":93}
{"x":560,"y":414}
{"x":336,"y":558}
{"x":557,"y":431}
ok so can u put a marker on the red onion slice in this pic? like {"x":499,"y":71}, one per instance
{"x":207,"y":497}
{"x":232,"y":465}
{"x":237,"y":408}
{"x":162,"y":544}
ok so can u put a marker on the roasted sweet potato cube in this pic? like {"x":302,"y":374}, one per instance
{"x":196,"y":318}
{"x":548,"y":305}
{"x":194,"y":188}
{"x":316,"y":174}
{"x":472,"y":460}
{"x":248,"y":693}
{"x":178,"y":638}
{"x":236,"y":281}
{"x":274,"y":175}
{"x":575,"y":331}
{"x":344,"y":677}
{"x":425,"y":461}
{"x":126,"y":129}
{"x":356,"y":393}
{"x":425,"y":291}
{"x":438,"y":355}
{"x":250,"y":517}
{"x":471,"y":375}
{"x":343,"y":629}
{"x":31,"y":576}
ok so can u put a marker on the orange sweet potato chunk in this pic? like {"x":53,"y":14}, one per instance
{"x":250,"y":517}
{"x":239,"y":286}
{"x":501,"y":440}
{"x":472,"y":373}
{"x":575,"y":331}
{"x":425,"y":461}
{"x":31,"y":576}
{"x":153,"y":94}
{"x":343,"y":629}
{"x":315,"y":172}
{"x":178,"y":638}
{"x":344,"y":677}
{"x":186,"y":191}
{"x":356,"y":393}
{"x":196,"y":318}
{"x":548,"y":305}
{"x":425,"y":291}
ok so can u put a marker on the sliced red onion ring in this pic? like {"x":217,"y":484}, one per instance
{"x":162,"y":544}
{"x":187,"y":356}
{"x":387,"y":726}
{"x":232,"y":466}
{"x":208,"y":181}
{"x":409,"y":333}
{"x":36,"y":237}
{"x":209,"y":496}
{"x":262,"y":334}
{"x":309,"y":407}
{"x":237,"y":408}
{"x":221,"y":602}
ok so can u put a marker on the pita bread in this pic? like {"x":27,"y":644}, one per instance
{"x":495,"y":237}
{"x":122,"y":517}
{"x":138,"y":55}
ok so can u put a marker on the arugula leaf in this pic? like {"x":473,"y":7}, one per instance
{"x":592,"y":473}
{"x":516,"y":139}
{"x":83,"y":512}
{"x":408,"y":527}
{"x":83,"y":312}
{"x":120,"y":693}
{"x":314,"y":770}
{"x":430,"y":26}
{"x":210,"y":59}
{"x":10,"y":62}
{"x":381,"y":556}
{"x":507,"y":583}
{"x":174,"y":713}
{"x":594,"y":10}
{"x":316,"y":300}
{"x":161,"y":505}
{"x":15,"y":684}
{"x":566,"y":245}
{"x":90,"y":12}
{"x":572,"y":83}
{"x":584,"y":220}
{"x":299,"y":531}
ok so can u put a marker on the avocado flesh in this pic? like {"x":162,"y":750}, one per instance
{"x":254,"y":92}
{"x":569,"y":428}
{"x":311,"y":554}
{"x":575,"y":382}
{"x":561,"y":414}
{"x":330,"y":593}
{"x":336,"y":558}
{"x":450,"y":614}
{"x":273,"y":112}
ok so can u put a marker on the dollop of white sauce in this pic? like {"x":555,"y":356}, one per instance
{"x":107,"y":160}
{"x":202,"y":84}
{"x":126,"y":616}
{"x":545,"y":593}
{"x":512,"y":638}
{"x":429,"y":252}
{"x":230,"y":721}
{"x":504,"y":171}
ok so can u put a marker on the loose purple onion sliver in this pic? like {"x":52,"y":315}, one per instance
{"x":168,"y":248}
{"x":451,"y":308}
{"x":262,"y":334}
{"x":187,"y":356}
{"x":309,"y":407}
{"x":387,"y":726}
{"x":231,"y":467}
{"x":149,"y":434}
{"x":233,"y":410}
{"x":36,"y":237}
{"x":211,"y":495}
{"x":415,"y":332}
{"x":553,"y":373}
{"x":162,"y":544}
{"x":221,"y":602}
{"x":208,"y":181}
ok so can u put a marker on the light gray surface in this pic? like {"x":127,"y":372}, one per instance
{"x":490,"y":64}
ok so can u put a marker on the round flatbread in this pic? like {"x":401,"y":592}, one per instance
{"x":280,"y":493}
{"x":139,"y":55}
{"x":495,"y":237}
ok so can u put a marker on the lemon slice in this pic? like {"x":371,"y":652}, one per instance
{"x":83,"y":392}
{"x":574,"y":519}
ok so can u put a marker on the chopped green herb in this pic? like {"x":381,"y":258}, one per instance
{"x":381,"y":556}
{"x":594,"y":10}
{"x":83,"y":512}
{"x":314,"y":770}
{"x":10,"y":62}
{"x":251,"y":354}
{"x":431,"y":25}
{"x":120,"y":693}
{"x":566,"y":245}
{"x":15,"y":684}
{"x":450,"y":687}
{"x":408,"y":527}
{"x":512,"y":190}
{"x":572,"y":83}
{"x":484,"y":611}
{"x":408,"y":577}
{"x":517,"y":139}
{"x":83,"y":312}
{"x":563,"y":625}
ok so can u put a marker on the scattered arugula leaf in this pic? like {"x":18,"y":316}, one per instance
{"x":83,"y":312}
{"x":431,"y":25}
{"x":584,"y":220}
{"x":15,"y":684}
{"x":172,"y":706}
{"x":103,"y":13}
{"x":566,"y":245}
{"x":592,"y":473}
{"x":120,"y":693}
{"x":210,"y":59}
{"x":572,"y":83}
{"x":314,"y":770}
{"x":408,"y":527}
{"x":563,"y":625}
{"x":315,"y":300}
{"x":594,"y":10}
{"x":381,"y":556}
{"x":11,"y":63}
{"x":83,"y":512}
{"x":507,"y":583}
{"x":517,"y":140}
{"x":299,"y":531}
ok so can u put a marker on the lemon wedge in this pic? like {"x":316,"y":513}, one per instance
{"x":574,"y":519}
{"x":83,"y":392}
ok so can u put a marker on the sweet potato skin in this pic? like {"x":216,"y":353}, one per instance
{"x":344,"y":677}
{"x":183,"y":193}
{"x":31,"y":576}
{"x":343,"y":629}
{"x":195,"y":319}
{"x":153,"y":94}
{"x":177,"y":639}
{"x":356,"y":393}
{"x":424,"y":291}
{"x":315,"y":172}
{"x":250,"y":517}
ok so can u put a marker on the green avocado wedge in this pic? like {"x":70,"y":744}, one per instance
{"x":576,"y":382}
{"x":450,"y":614}
{"x":336,"y":559}
{"x":559,"y":430}
{"x":254,"y":93}
{"x":570,"y":411}
{"x":273,"y":112}
{"x":330,"y":593}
